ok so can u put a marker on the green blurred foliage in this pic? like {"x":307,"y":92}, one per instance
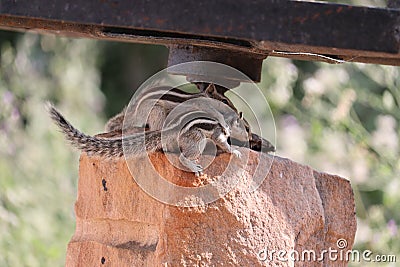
{"x":125,"y":67}
{"x":38,"y":171}
{"x":342,"y":119}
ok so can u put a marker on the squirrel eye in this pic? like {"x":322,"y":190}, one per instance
{"x":241,"y":115}
{"x":225,"y":101}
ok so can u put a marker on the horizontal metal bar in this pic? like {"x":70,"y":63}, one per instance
{"x":262,"y":27}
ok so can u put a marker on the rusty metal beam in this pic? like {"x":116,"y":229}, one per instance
{"x":277,"y":28}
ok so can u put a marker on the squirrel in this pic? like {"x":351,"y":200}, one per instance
{"x":156,"y":103}
{"x":188,"y":135}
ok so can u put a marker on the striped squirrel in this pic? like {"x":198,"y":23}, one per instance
{"x":194,"y":128}
{"x":156,"y":103}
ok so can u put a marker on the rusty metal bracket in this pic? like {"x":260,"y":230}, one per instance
{"x":248,"y":63}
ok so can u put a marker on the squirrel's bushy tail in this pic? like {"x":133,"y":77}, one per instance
{"x":86,"y":143}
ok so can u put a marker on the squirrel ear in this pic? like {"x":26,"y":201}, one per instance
{"x":210,"y":90}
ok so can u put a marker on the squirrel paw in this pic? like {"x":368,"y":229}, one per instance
{"x":197,"y":169}
{"x":199,"y":173}
{"x":237,"y":153}
{"x":191,"y":165}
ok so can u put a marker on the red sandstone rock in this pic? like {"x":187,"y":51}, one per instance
{"x":295,"y":208}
